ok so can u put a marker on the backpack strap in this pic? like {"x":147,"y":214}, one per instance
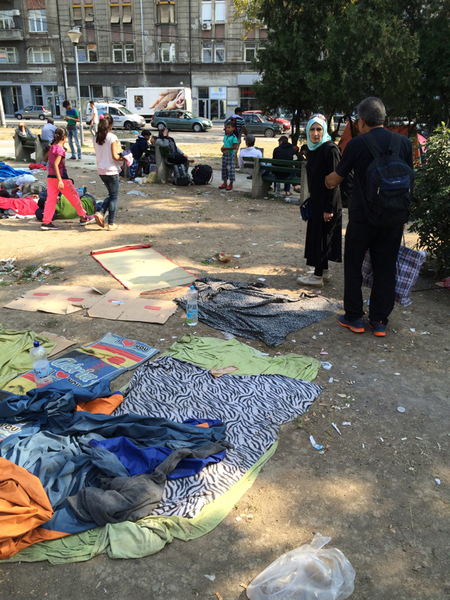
{"x":395,"y":145}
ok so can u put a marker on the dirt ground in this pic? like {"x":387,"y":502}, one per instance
{"x":373,"y":491}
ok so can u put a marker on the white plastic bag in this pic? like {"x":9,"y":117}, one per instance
{"x":306,"y":573}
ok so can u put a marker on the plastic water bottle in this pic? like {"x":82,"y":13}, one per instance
{"x":41,"y":366}
{"x":192,"y":306}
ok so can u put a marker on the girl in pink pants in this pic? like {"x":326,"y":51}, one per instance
{"x":58,"y":181}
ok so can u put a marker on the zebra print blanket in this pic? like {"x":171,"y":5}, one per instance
{"x":253,"y":407}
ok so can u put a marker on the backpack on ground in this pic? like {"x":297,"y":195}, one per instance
{"x":180,"y":175}
{"x":389,"y":184}
{"x":202,"y":174}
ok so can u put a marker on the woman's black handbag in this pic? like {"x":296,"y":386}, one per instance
{"x":306,"y":210}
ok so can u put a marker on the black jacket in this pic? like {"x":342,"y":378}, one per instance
{"x":139,"y":147}
{"x":285,"y":151}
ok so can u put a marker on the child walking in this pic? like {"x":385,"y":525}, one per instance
{"x":108,"y":166}
{"x":58,"y":181}
{"x":230,"y":144}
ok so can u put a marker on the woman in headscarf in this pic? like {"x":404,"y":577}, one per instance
{"x":324,"y":229}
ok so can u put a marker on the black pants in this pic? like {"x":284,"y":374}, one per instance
{"x":178,"y":159}
{"x":383,"y":243}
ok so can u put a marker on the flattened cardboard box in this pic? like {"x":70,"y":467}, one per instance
{"x":127,"y":305}
{"x":59,"y":300}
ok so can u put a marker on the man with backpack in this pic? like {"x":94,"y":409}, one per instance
{"x":383,"y":185}
{"x":238,"y":123}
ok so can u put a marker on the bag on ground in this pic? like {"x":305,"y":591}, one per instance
{"x":389,"y":184}
{"x":180,"y":175}
{"x":202,"y":174}
{"x":409,"y":263}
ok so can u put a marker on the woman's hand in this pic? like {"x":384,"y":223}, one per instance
{"x":327,"y":217}
{"x":60,"y":185}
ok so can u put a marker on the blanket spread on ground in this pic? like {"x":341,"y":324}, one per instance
{"x":247,"y":310}
{"x":253,"y":408}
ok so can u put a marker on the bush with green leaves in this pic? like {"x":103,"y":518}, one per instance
{"x":430,"y":211}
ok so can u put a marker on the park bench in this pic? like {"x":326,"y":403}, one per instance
{"x":161,"y":154}
{"x":271,"y":170}
{"x":24,"y":147}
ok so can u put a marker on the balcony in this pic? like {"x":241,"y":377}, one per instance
{"x":11,"y":35}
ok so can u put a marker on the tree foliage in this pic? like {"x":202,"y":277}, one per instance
{"x":431,"y":209}
{"x":327,"y":55}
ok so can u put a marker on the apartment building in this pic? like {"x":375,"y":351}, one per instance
{"x":126,"y":43}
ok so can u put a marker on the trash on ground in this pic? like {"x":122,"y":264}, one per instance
{"x":401,"y":409}
{"x":438,"y":481}
{"x":136,"y":193}
{"x":336,"y":427}
{"x":309,"y":572}
{"x":314,"y":444}
{"x":323,"y":352}
{"x":326,"y":365}
{"x":210,"y":577}
{"x":346,"y":423}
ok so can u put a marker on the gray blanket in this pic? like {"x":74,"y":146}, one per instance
{"x":247,"y":310}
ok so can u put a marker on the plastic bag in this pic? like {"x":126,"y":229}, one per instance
{"x":306,"y":573}
{"x":152,"y":177}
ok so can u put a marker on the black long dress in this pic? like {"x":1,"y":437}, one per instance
{"x":323,"y":239}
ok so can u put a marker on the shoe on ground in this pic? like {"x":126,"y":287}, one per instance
{"x":355,"y":326}
{"x":48,"y":227}
{"x":73,"y":158}
{"x":229,"y":187}
{"x":327,"y":275}
{"x":378,"y":327}
{"x":312,"y":281}
{"x":223,"y":186}
{"x":99,"y":219}
{"x":87,"y":219}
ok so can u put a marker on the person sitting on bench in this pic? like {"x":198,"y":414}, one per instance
{"x":137,"y":150}
{"x":24,"y":131}
{"x":177,"y":158}
{"x":249,"y":150}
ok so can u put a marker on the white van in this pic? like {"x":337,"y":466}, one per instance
{"x":122,"y":117}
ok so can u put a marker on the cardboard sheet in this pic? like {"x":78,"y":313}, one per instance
{"x":56,"y":299}
{"x":125,"y":305}
{"x":61,"y":342}
{"x":141,"y":268}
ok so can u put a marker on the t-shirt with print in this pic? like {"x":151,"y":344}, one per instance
{"x":357,"y":156}
{"x":57,"y":150}
{"x":229,"y":141}
{"x":71,"y":123}
{"x":106,"y":165}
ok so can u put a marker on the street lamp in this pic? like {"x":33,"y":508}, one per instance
{"x":75,"y":35}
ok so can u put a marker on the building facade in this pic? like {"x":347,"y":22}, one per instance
{"x":126,"y":43}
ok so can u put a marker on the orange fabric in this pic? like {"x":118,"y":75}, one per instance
{"x":24,"y":506}
{"x":202,"y":425}
{"x":347,"y":136}
{"x":104,"y":406}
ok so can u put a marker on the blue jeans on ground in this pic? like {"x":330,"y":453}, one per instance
{"x":110,"y":202}
{"x":73,"y":135}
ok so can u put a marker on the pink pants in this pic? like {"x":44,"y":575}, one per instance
{"x":69,"y":192}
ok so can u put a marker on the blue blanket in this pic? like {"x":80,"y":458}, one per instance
{"x":7,"y":171}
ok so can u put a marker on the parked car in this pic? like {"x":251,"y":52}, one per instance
{"x":122,"y":117}
{"x":285,"y":123}
{"x":255,"y":124}
{"x":33,"y":112}
{"x":180,"y":119}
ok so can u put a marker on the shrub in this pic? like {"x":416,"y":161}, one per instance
{"x":430,"y":210}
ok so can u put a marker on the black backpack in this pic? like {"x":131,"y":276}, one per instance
{"x":202,"y":174}
{"x":389,"y":183}
{"x":232,"y":121}
{"x":180,"y":175}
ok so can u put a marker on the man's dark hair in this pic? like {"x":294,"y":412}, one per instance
{"x":66,"y":103}
{"x":283,"y":139}
{"x":238,"y":110}
{"x":372,"y":111}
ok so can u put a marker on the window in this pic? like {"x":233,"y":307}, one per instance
{"x":117,"y":53}
{"x":9,"y":55}
{"x":87,"y":53}
{"x":166,"y":12}
{"x":40,"y":56}
{"x":219,"y":12}
{"x":37,"y":20}
{"x":206,"y":12}
{"x":167,"y":52}
{"x":6,"y":19}
{"x":77,"y":16}
{"x":219,"y":55}
{"x":88,"y":13}
{"x":207,"y":53}
{"x":129,"y":53}
{"x":249,"y":52}
{"x":115,"y":13}
{"x":126,"y":13}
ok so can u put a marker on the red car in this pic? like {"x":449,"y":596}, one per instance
{"x":285,"y":123}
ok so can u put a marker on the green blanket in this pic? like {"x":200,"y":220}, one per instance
{"x":64,"y":210}
{"x":213,"y":353}
{"x":15,"y":349}
{"x":147,"y":536}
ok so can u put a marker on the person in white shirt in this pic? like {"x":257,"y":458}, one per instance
{"x":93,"y":126}
{"x":106,"y":146}
{"x":48,"y":130}
{"x":249,"y":150}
